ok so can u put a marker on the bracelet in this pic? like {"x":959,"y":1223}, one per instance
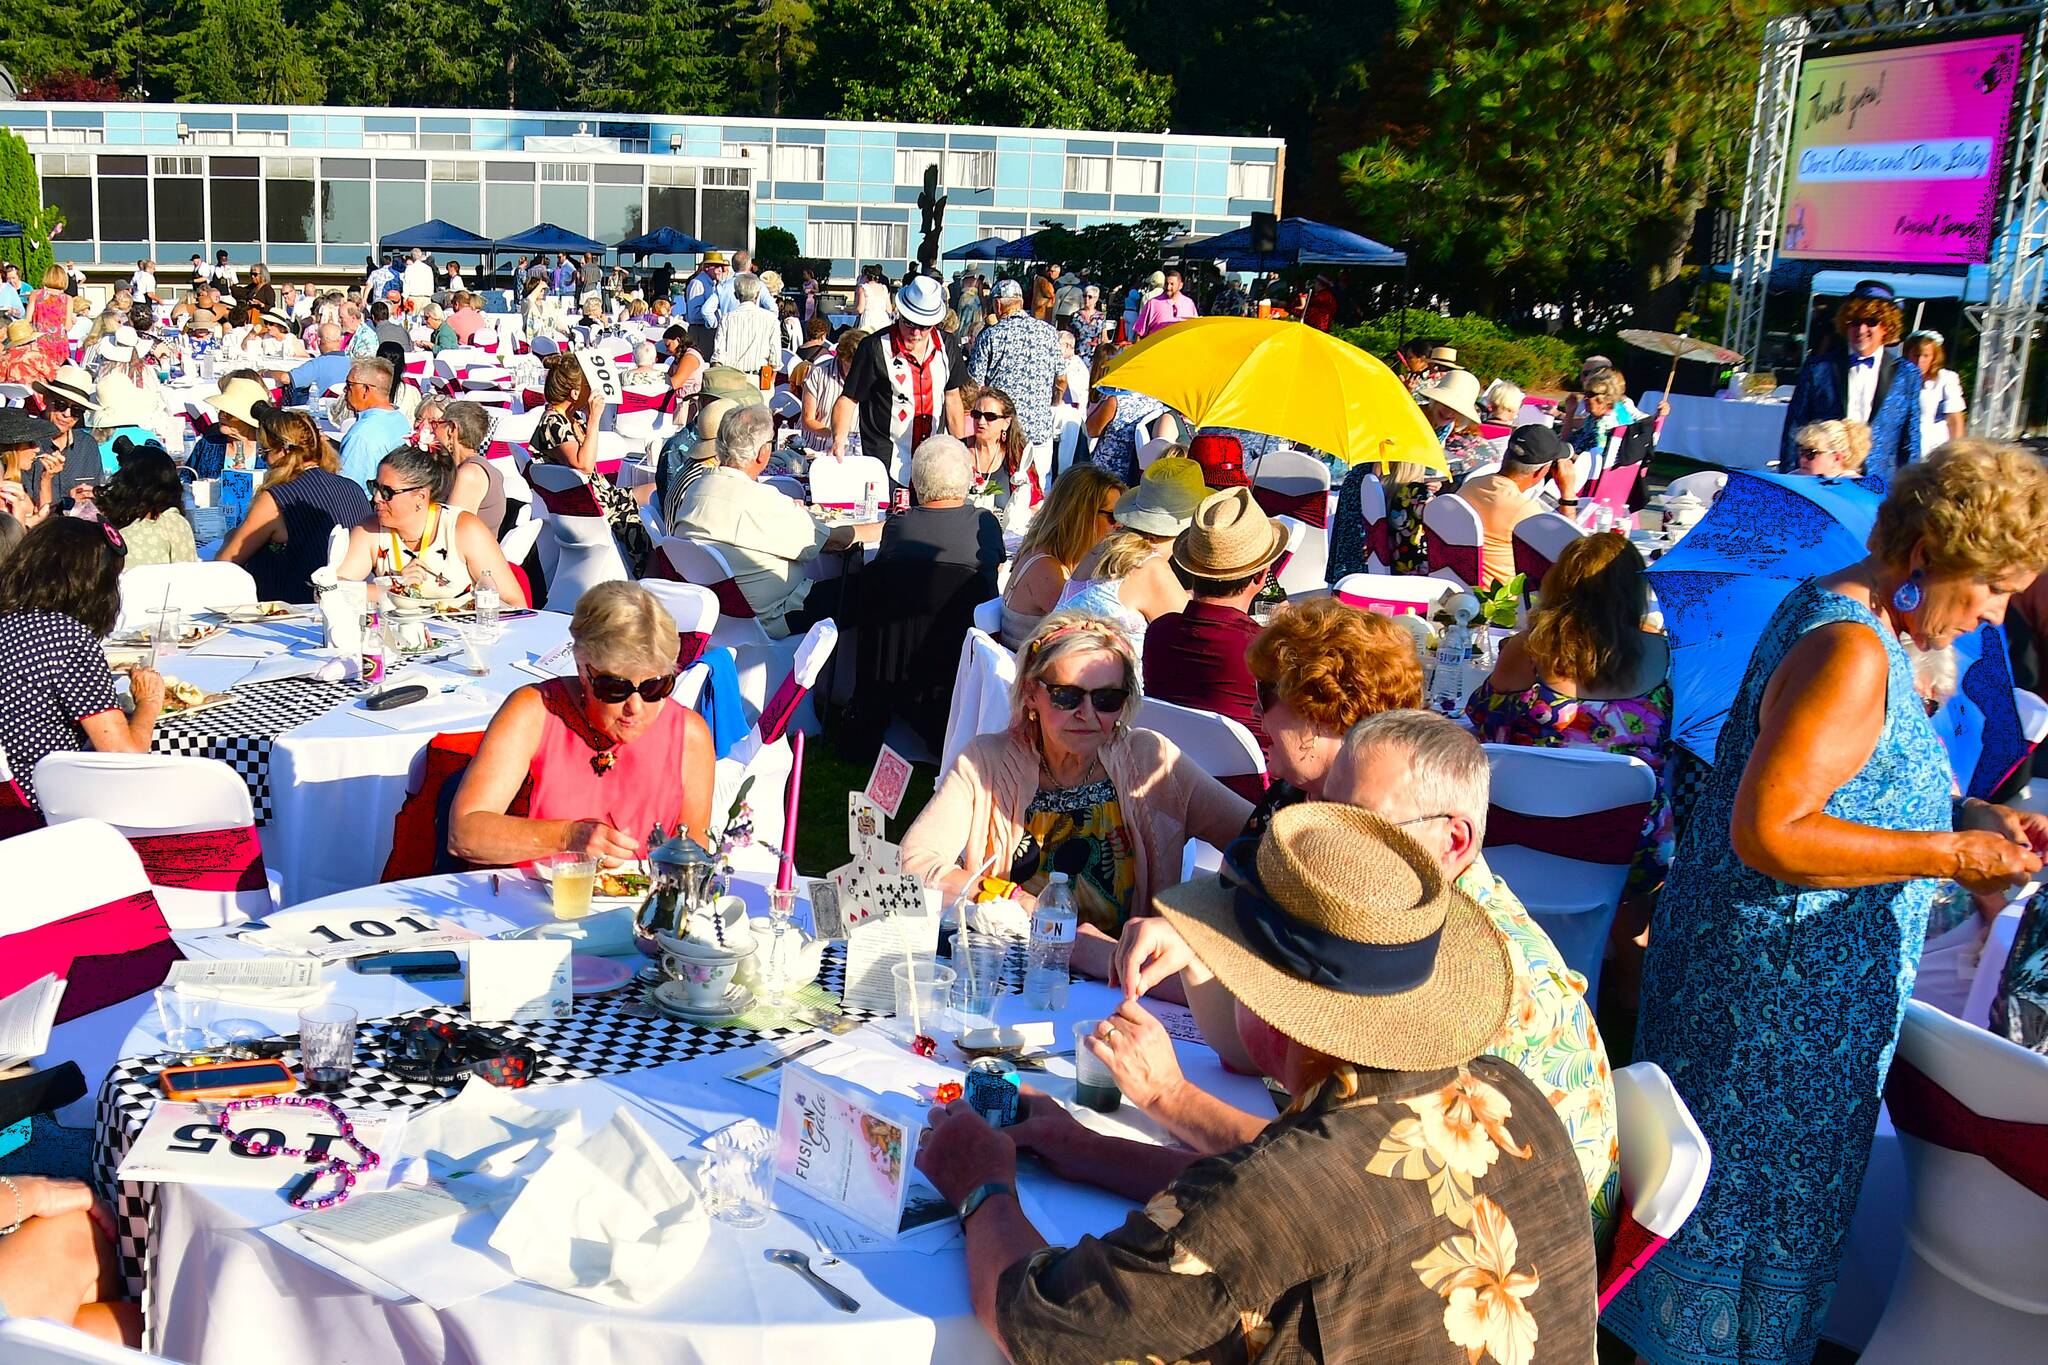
{"x":20,"y":1206}
{"x":980,"y":1195}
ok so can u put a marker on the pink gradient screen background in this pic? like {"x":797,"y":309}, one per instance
{"x":1898,"y":153}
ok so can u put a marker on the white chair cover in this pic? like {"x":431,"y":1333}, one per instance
{"x":2033,"y":714}
{"x":188,"y":587}
{"x":586,"y":553}
{"x":1539,"y":540}
{"x":337,"y":545}
{"x":1219,"y":745}
{"x":1307,"y":560}
{"x":757,"y":656}
{"x":1664,"y":1161}
{"x":1991,"y":959}
{"x":1372,"y":506}
{"x":695,"y":609}
{"x":1970,"y":1285}
{"x":1393,"y":594}
{"x":1573,"y":897}
{"x":28,"y":1341}
{"x":645,"y":426}
{"x":158,"y":794}
{"x":840,"y":482}
{"x":988,"y":618}
{"x":510,"y":429}
{"x":981,"y":694}
{"x":1451,"y":529}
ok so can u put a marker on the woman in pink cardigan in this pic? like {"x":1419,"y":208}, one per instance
{"x":1072,"y":786}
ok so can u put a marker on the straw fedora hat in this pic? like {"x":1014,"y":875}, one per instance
{"x":1166,"y":498}
{"x":1344,"y":934}
{"x":71,"y":384}
{"x":735,"y":386}
{"x":1230,"y":537}
{"x":21,"y":332}
{"x":713,"y":258}
{"x":1446,"y":356}
{"x":238,"y":398}
{"x":1458,"y":391}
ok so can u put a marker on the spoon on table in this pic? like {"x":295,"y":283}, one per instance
{"x":801,"y":1264}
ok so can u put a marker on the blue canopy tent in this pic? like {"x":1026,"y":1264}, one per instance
{"x":436,"y":234}
{"x":549,"y":237}
{"x":663,"y":241}
{"x":1297,"y":241}
{"x":982,"y":250}
{"x":1022,"y":249}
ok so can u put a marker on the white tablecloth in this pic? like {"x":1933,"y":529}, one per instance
{"x":219,"y":1287}
{"x":336,"y":782}
{"x":1735,"y":433}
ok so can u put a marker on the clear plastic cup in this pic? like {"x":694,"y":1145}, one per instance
{"x":1095,"y":1084}
{"x":739,"y":1164}
{"x":571,"y":879}
{"x":167,"y":630}
{"x":327,"y":1047}
{"x":923,"y":996}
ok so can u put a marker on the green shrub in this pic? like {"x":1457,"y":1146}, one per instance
{"x":21,"y":201}
{"x":1532,"y":360}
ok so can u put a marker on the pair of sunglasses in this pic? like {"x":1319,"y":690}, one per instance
{"x":383,"y":492}
{"x":611,"y":689}
{"x":1106,"y":700}
{"x":980,"y":416}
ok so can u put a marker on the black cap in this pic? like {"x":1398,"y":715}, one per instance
{"x":1534,"y":444}
{"x":1872,"y":289}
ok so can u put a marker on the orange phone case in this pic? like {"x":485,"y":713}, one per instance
{"x":171,"y":1076}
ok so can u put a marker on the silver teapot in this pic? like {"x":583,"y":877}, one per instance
{"x":686,"y":883}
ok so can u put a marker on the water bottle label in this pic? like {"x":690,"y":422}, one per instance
{"x":1054,"y":929}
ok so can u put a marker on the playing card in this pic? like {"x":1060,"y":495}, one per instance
{"x":826,"y":920}
{"x":859,"y":896}
{"x":864,"y":824}
{"x":889,"y":781}
{"x":900,"y":894}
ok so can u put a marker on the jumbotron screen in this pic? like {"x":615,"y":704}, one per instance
{"x":1898,"y":153}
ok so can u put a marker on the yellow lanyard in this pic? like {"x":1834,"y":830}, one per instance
{"x":398,"y":546}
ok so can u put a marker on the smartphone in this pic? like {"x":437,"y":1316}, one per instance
{"x":434,"y":965}
{"x":227,"y":1080}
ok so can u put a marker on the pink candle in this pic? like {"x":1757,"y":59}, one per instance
{"x":785,"y":875}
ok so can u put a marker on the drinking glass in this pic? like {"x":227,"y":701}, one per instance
{"x":923,"y":992}
{"x":738,"y":1169}
{"x":327,"y":1047}
{"x":572,"y":877}
{"x":978,"y":960}
{"x":167,"y":628}
{"x":1094,"y":1083}
{"x":476,"y":642}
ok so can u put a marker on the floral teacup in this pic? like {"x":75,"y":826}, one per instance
{"x":704,"y":980}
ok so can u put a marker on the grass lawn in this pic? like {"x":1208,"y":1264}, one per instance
{"x":821,"y":808}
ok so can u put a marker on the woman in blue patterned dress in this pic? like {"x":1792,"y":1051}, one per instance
{"x":1785,"y":944}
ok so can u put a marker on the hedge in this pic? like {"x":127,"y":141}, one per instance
{"x":1489,"y":350}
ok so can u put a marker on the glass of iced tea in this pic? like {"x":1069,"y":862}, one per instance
{"x":571,"y":878}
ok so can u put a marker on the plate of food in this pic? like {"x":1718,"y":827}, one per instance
{"x":183,"y":698}
{"x":623,"y":885}
{"x":262,"y":611}
{"x":189,"y":633}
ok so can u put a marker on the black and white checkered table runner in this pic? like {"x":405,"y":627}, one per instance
{"x":605,"y":1035}
{"x":240,"y":733}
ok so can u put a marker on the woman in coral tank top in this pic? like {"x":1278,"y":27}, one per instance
{"x":592,"y":762}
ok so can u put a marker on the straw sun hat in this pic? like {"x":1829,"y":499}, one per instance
{"x":1230,"y":537}
{"x":1165,"y":499}
{"x":1344,"y":934}
{"x":1458,"y":391}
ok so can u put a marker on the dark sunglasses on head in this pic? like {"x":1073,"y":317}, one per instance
{"x":383,"y":492}
{"x":611,"y":689}
{"x":1106,"y":700}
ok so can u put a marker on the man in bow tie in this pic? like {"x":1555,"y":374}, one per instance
{"x":1866,"y":381}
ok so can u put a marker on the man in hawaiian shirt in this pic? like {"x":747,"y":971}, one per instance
{"x":1021,"y":356}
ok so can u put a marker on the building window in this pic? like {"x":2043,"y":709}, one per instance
{"x":799,"y":163}
{"x":70,"y":135}
{"x":883,"y":241}
{"x":124,"y":206}
{"x":67,"y":188}
{"x":1006,"y":234}
{"x":231,"y":194}
{"x":1137,"y":175}
{"x":288,"y":199}
{"x":444,"y":142}
{"x":344,"y":201}
{"x":454,"y":171}
{"x":180,"y":209}
{"x":970,"y":170}
{"x":1088,"y":174}
{"x":727,"y":216}
{"x":671,"y":205}
{"x":738,"y":150}
{"x":179,"y":165}
{"x":834,"y":241}
{"x":733,"y":177}
{"x":672,"y":175}
{"x":509,"y":171}
{"x":564,"y":172}
{"x":262,"y":137}
{"x":212,"y":137}
{"x":912,"y":161}
{"x":1251,"y":180}
{"x":400,"y":142}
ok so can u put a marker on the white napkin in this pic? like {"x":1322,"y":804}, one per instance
{"x":613,"y":1221}
{"x":231,"y":645}
{"x":322,"y":667}
{"x":342,"y":608}
{"x":489,"y":1141}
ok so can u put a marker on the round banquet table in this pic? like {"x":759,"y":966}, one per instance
{"x":326,"y":779}
{"x":1734,"y":433}
{"x":218,"y":1286}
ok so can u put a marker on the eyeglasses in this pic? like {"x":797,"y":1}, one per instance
{"x":1420,"y":819}
{"x":611,"y":689}
{"x":1107,"y":701}
{"x":385,"y":493}
{"x":983,"y":415}
{"x":1269,"y":696}
{"x":58,"y":408}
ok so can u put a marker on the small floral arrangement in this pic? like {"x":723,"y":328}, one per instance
{"x":1497,"y":604}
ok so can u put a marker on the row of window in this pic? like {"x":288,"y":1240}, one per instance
{"x":977,"y":171}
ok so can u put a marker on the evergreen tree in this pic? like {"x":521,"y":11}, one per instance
{"x":21,"y":201}
{"x":243,"y":51}
{"x":655,"y":56}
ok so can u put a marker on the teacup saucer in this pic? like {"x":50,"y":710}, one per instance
{"x":671,"y":999}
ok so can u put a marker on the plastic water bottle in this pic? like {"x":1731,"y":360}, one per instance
{"x":374,"y":652}
{"x":487,"y":604}
{"x":1053,"y":928}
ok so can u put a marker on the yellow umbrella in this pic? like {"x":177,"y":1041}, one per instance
{"x":1281,"y":378}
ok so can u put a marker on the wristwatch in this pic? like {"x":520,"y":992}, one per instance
{"x":981,"y":1194}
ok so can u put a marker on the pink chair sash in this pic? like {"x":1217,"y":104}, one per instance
{"x":208,"y":860}
{"x":1312,"y":509}
{"x":1921,"y":1109}
{"x":731,"y":601}
{"x":1379,"y":541}
{"x":580,"y":501}
{"x":1530,"y":562}
{"x":1609,"y":837}
{"x":659,"y":567}
{"x":1385,"y":606}
{"x":689,"y":648}
{"x":532,"y":398}
{"x":416,"y":367}
{"x":636,"y":400}
{"x":1466,"y":561}
{"x":17,"y":816}
{"x":108,"y":954}
{"x":1634,"y":1246}
{"x":775,"y":715}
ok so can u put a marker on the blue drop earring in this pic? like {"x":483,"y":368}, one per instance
{"x":1906,"y":597}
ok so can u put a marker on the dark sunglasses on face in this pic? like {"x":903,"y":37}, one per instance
{"x":983,"y":415}
{"x":1106,"y":700}
{"x":383,"y":492}
{"x":58,"y":408}
{"x":611,"y":689}
{"x":1269,"y":696}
